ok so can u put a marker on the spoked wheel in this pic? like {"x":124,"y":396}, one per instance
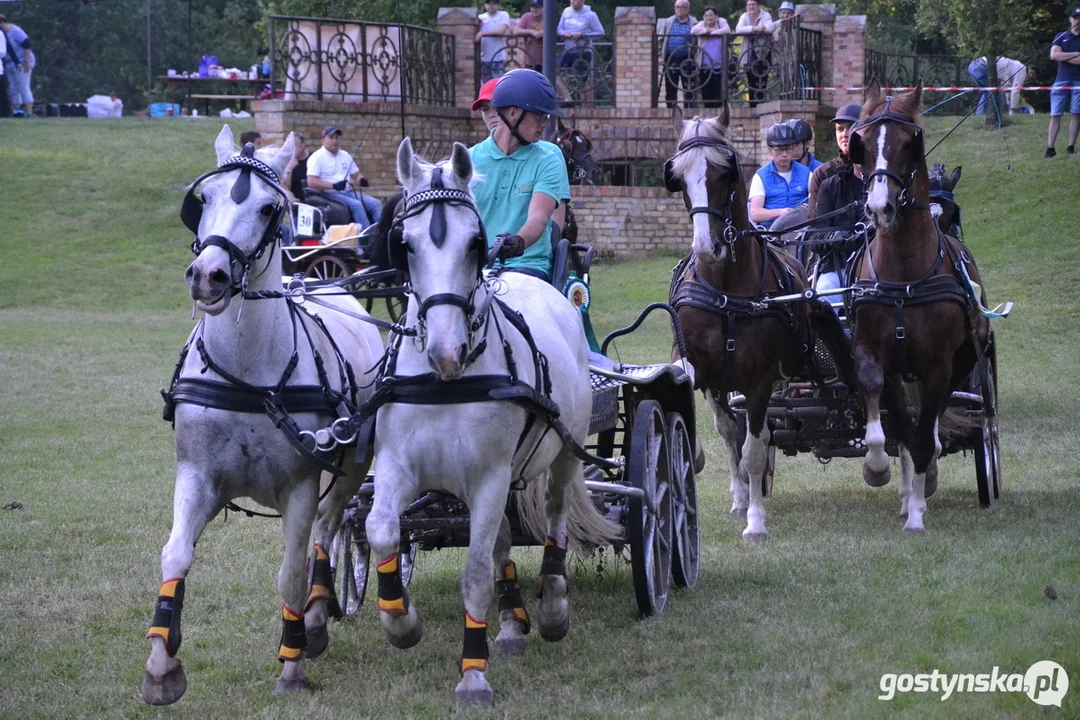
{"x":987,"y":449}
{"x":328,"y":267}
{"x":396,"y":305}
{"x":349,"y":560}
{"x":770,"y":455}
{"x":650,"y":526}
{"x":685,"y":560}
{"x":407,"y":560}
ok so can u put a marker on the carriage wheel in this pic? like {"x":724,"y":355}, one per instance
{"x":770,"y":455}
{"x":395,"y":306}
{"x":987,"y":451}
{"x":407,"y":560}
{"x":327,"y":267}
{"x":686,"y":558}
{"x":349,"y":560}
{"x":650,"y":530}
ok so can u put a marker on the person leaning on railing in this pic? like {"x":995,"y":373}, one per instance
{"x":494,"y":27}
{"x":578,"y":25}
{"x":756,"y":54}
{"x":709,"y":35}
{"x":675,"y":33}
{"x":531,"y":27}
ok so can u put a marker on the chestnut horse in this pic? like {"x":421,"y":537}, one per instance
{"x":914,"y":318}
{"x":735,"y":341}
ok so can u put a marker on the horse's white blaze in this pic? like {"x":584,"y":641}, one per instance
{"x":755,"y":460}
{"x":877,"y":198}
{"x":698,"y":191}
{"x":876,"y":458}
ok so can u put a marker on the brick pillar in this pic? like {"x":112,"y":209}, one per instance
{"x":462,"y":23}
{"x":849,"y":58}
{"x":634,"y":28}
{"x":822,"y":19}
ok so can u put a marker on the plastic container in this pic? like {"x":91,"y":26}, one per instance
{"x":162,"y":109}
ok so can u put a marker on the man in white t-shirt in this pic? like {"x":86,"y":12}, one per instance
{"x":330,"y":169}
{"x":494,"y":27}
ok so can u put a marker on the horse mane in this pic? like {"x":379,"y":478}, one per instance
{"x":709,"y":128}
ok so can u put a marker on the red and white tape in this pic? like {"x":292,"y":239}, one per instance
{"x":943,"y":89}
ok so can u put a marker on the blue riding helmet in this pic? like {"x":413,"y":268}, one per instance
{"x":528,"y":90}
{"x":803,"y":131}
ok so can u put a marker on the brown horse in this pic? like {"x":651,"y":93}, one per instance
{"x":735,"y":341}
{"x":914,"y":320}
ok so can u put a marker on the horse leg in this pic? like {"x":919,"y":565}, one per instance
{"x":487,"y":512}
{"x":398,"y":616}
{"x":193,"y":506}
{"x":754,"y":462}
{"x":896,"y":403}
{"x":926,"y":446}
{"x":514,"y":622}
{"x":297,"y":514}
{"x":322,"y":602}
{"x":871,"y":382}
{"x":725,"y":428}
{"x":553,"y":610}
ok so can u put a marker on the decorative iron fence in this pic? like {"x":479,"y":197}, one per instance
{"x":739,"y":68}
{"x":585,"y":76}
{"x":320,"y":59}
{"x":893,"y":70}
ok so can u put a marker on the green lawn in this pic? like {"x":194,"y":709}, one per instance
{"x":93,"y":314}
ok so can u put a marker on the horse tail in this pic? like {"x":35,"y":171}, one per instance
{"x":954,"y":425}
{"x":585,"y":526}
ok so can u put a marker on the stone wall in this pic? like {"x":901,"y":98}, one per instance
{"x":630,"y":221}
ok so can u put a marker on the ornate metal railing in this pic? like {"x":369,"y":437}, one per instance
{"x":320,"y":59}
{"x":585,"y":76}
{"x":892,"y":70}
{"x":739,"y":68}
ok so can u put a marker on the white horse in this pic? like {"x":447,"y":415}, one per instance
{"x":475,"y":447}
{"x":232,"y":431}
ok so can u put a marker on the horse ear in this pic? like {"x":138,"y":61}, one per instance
{"x":560,"y":126}
{"x":915,"y":98}
{"x":955,"y":177}
{"x":724,"y":115}
{"x":677,"y":119}
{"x":223,"y":146}
{"x":461,"y":163}
{"x":284,"y":155}
{"x":405,"y":160}
{"x":873,"y":92}
{"x":855,"y":149}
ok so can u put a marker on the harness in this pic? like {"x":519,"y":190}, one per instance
{"x":904,"y":198}
{"x":281,"y":400}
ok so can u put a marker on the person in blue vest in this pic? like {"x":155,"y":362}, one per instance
{"x":522,"y":180}
{"x":782,"y":184}
{"x":804,"y":133}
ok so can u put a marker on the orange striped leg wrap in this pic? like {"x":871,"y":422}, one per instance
{"x":322,"y":583}
{"x":293,"y":636}
{"x":474,"y":653}
{"x":510,"y":596}
{"x":166,"y":622}
{"x":392,"y":596}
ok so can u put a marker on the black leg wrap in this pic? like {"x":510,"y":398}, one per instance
{"x":554,"y":561}
{"x":474,"y":651}
{"x":322,"y":584}
{"x":392,"y":597}
{"x":166,"y":621}
{"x":293,"y":636}
{"x":510,"y":599}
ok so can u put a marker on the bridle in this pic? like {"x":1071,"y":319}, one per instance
{"x":438,"y":197}
{"x":192,"y":207}
{"x":904,"y":198}
{"x":729,"y":234}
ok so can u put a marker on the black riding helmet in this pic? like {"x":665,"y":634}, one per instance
{"x":803,"y":131}
{"x":780,"y":135}
{"x":528,"y":90}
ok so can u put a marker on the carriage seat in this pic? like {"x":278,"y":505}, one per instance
{"x":333,"y":210}
{"x":567,"y":257}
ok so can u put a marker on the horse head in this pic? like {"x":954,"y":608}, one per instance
{"x":235,"y":212}
{"x":445,"y":253}
{"x":888,"y":143}
{"x":942,"y":186}
{"x":577,"y":149}
{"x":706,"y":170}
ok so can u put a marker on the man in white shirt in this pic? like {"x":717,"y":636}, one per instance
{"x":494,"y":27}
{"x":1011,"y":73}
{"x":330,"y":169}
{"x":756,"y":55}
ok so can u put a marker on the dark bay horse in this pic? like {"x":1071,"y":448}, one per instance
{"x":914,"y":318}
{"x":735,"y":342}
{"x":942,"y":186}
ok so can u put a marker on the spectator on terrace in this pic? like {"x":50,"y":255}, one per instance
{"x":678,"y":45}
{"x":578,"y":26}
{"x":1065,"y":51}
{"x":709,"y":35}
{"x":494,"y":27}
{"x":531,"y":28}
{"x":756,"y":54}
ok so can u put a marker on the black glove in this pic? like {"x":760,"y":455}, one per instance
{"x":513,"y":246}
{"x":339,"y":185}
{"x":364,"y":182}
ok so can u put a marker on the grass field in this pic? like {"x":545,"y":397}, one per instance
{"x":93,"y":312}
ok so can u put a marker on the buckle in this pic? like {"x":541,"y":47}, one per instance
{"x":731,"y":345}
{"x":900,"y":334}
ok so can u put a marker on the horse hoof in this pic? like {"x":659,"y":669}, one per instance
{"x":752,"y":537}
{"x":874,"y":478}
{"x":165,"y":690}
{"x":318,"y":639}
{"x":513,"y":645}
{"x":913,"y":529}
{"x":554,"y":620}
{"x":738,"y":512}
{"x":474,"y":691}
{"x":405,"y":639}
{"x":287,"y":686}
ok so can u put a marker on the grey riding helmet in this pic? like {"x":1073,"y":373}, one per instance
{"x":803,"y":131}
{"x":780,"y":135}
{"x":528,"y":90}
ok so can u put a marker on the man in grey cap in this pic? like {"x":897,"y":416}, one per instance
{"x":331,"y":169}
{"x":845,"y":117}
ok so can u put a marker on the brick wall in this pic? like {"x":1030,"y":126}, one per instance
{"x":629,"y":222}
{"x":634,"y":28}
{"x":462,"y":23}
{"x":849,"y":45}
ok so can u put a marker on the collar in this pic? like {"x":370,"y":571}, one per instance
{"x":492,"y":150}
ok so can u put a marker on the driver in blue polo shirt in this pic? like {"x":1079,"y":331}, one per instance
{"x":519,"y":182}
{"x":781,"y":184}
